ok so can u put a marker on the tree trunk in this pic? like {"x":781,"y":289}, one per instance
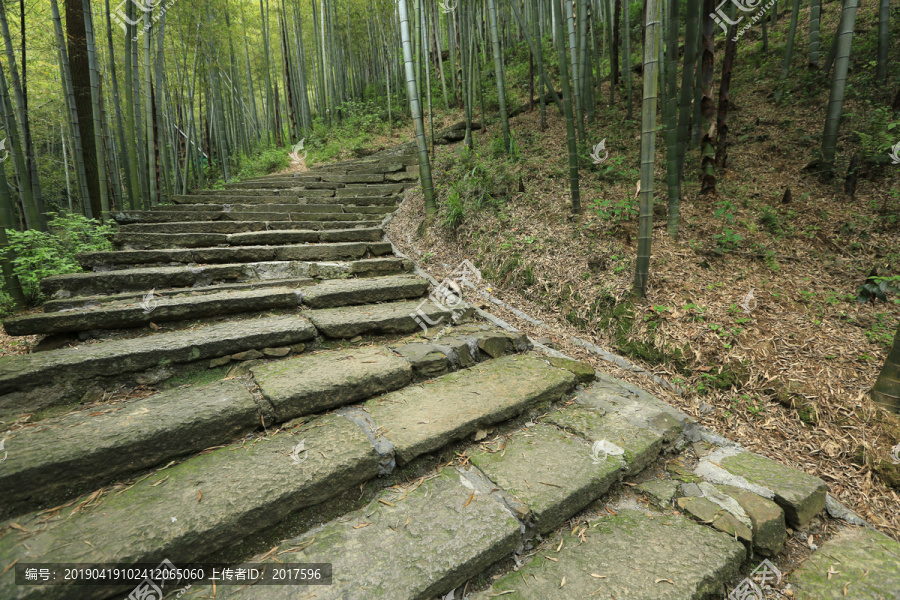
{"x":415,"y":108}
{"x":672,"y":166}
{"x":707,"y":105}
{"x":81,"y":86}
{"x":724,"y":92}
{"x":692,"y":30}
{"x":567,"y":99}
{"x":838,"y":84}
{"x":884,"y":41}
{"x":648,"y":146}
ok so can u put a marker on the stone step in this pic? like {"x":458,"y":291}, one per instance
{"x":144,"y":279}
{"x":198,"y":195}
{"x":126,"y":218}
{"x":70,"y":368}
{"x":389,"y":201}
{"x":298,"y":252}
{"x":273,"y":207}
{"x":102,"y":443}
{"x":134,"y":313}
{"x":192,"y":505}
{"x":396,"y":317}
{"x":243,"y":226}
{"x":51,"y":306}
{"x":143,"y":241}
{"x":269,"y":184}
{"x":631,"y":554}
{"x":856,"y":563}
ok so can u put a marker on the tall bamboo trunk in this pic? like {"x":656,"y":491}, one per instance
{"x":815,"y":13}
{"x":672,"y":167}
{"x":838,"y":84}
{"x":81,"y":85}
{"x":498,"y":70}
{"x":707,"y":105}
{"x":648,"y":146}
{"x":415,"y":108}
{"x":887,"y":387}
{"x":569,"y":109}
{"x":724,"y":91}
{"x":884,"y":41}
{"x":692,"y":30}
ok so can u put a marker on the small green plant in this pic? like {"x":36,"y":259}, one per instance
{"x":40,"y":254}
{"x":877,"y":288}
{"x":728,"y":239}
{"x":617,"y":211}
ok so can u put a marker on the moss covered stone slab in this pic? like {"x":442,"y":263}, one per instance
{"x":551,"y":472}
{"x":27,"y":371}
{"x":641,"y":444}
{"x":660,"y":491}
{"x":631,"y":555}
{"x":136,"y":313}
{"x":325,"y":380}
{"x":62,"y":457}
{"x":427,"y":360}
{"x":862,"y":564}
{"x":364,"y":291}
{"x":396,"y":317}
{"x":423,"y":418}
{"x":799,"y":494}
{"x":767,"y":519}
{"x":582,"y":370}
{"x":406,"y":546}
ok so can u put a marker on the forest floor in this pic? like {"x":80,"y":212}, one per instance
{"x":786,"y":373}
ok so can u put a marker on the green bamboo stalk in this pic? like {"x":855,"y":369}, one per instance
{"x":538,"y":54}
{"x":413,"y":93}
{"x":672,"y":167}
{"x":96,"y":100}
{"x":707,"y":105}
{"x":32,"y":216}
{"x":789,"y":50}
{"x":626,"y":65}
{"x":886,"y":391}
{"x":838,"y":85}
{"x":884,"y":41}
{"x":576,"y":70}
{"x":569,"y":110}
{"x":648,"y":146}
{"x":815,"y":11}
{"x":120,"y":126}
{"x":692,"y":31}
{"x":11,"y":283}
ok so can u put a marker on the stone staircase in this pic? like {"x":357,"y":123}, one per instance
{"x":243,"y":381}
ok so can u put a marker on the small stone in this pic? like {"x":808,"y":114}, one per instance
{"x":583,"y":371}
{"x":356,"y":339}
{"x":248,"y":355}
{"x":219,"y":362}
{"x":660,"y":491}
{"x":690,"y":489}
{"x":493,"y":346}
{"x":244,"y":368}
{"x":298,"y":348}
{"x":153,"y":377}
{"x":276,"y":352}
{"x":682,"y":474}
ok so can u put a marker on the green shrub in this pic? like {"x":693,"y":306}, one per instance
{"x":40,"y":254}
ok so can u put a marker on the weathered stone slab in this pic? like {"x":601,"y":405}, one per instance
{"x":143,"y":241}
{"x":641,"y":444}
{"x":582,"y":370}
{"x":862,"y":564}
{"x":370,"y":190}
{"x":416,"y":545}
{"x":140,"y":279}
{"x":62,"y":457}
{"x":356,"y":177}
{"x":712,"y":514}
{"x":550,"y":471}
{"x":134,"y":314}
{"x":799,"y":494}
{"x":660,"y":491}
{"x":260,"y":238}
{"x":363,"y":291}
{"x":27,"y":371}
{"x":148,"y":216}
{"x":396,"y":317}
{"x":361,"y":199}
{"x":369,"y":234}
{"x":201,"y":506}
{"x":322,"y":251}
{"x":425,"y":417}
{"x":317,"y":382}
{"x":636,"y":556}
{"x":767,"y":518}
{"x":427,"y":360}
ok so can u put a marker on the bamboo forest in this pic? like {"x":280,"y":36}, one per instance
{"x":450,"y":299}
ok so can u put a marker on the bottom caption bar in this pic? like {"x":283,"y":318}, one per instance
{"x":166,"y":575}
